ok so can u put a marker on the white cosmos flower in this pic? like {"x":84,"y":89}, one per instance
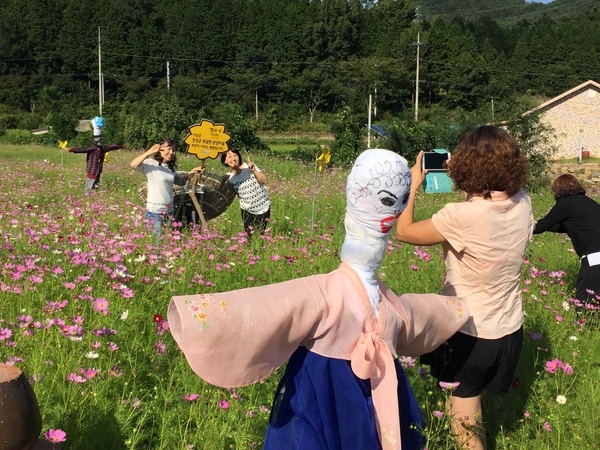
{"x":561,"y":399}
{"x":91,"y":355}
{"x":124,"y":315}
{"x":574,"y":338}
{"x":566,"y":306}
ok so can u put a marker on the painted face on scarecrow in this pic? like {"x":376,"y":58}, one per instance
{"x":377,"y":191}
{"x":376,"y":194}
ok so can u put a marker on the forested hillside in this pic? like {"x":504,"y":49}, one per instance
{"x":280,"y":62}
{"x":505,"y":12}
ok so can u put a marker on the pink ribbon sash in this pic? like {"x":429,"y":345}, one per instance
{"x":371,"y":358}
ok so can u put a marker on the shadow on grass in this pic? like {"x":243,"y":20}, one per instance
{"x":503,"y":415}
{"x":102,"y":432}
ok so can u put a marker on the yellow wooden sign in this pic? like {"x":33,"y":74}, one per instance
{"x":207,"y":139}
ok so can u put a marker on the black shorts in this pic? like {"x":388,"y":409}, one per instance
{"x":476,"y":363}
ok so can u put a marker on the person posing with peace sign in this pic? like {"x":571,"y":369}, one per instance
{"x":249,"y":184}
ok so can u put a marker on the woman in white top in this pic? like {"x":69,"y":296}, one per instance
{"x":249,"y":184}
{"x":161,"y":175}
{"x":484,"y":240}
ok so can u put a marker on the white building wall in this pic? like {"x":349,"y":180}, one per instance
{"x":579,"y":111}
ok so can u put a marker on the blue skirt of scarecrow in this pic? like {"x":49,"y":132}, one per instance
{"x":321,"y":405}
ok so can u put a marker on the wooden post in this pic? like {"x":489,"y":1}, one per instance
{"x":195,"y":180}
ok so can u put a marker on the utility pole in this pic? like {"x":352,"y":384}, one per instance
{"x":100,"y":78}
{"x":580,"y":152}
{"x":168,"y":78}
{"x":369,"y":123}
{"x":417,"y":79}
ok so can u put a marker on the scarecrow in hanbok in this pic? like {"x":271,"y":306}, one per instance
{"x":95,"y":158}
{"x":341,"y":333}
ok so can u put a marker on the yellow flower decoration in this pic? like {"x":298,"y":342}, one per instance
{"x":323,"y":158}
{"x":63,"y":144}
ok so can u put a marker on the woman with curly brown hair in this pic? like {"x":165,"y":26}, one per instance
{"x":579,"y":216}
{"x":484,"y":240}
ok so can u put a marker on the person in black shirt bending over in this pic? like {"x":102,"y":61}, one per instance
{"x":579,"y":216}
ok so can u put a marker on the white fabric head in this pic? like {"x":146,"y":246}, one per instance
{"x":377,"y":192}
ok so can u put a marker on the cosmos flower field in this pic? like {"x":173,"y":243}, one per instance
{"x":84,"y":293}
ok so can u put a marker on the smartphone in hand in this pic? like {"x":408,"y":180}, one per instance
{"x":434,"y":160}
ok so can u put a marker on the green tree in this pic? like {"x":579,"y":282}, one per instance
{"x":453,"y":69}
{"x":348,"y":143}
{"x":146,"y":124}
{"x":536,"y":142}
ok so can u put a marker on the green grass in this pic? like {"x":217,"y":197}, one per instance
{"x":62,"y":250}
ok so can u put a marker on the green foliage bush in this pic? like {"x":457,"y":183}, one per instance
{"x":348,"y":143}
{"x":242,"y":132}
{"x":535,"y":139}
{"x":306,"y":154}
{"x":63,"y":125}
{"x":19,"y":120}
{"x":23,"y":137}
{"x":145,"y":124}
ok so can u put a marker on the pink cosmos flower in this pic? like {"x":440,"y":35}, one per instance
{"x":160,"y":348}
{"x":547,"y":426}
{"x":101,"y":305}
{"x":161,"y":327}
{"x":73,"y":377}
{"x":127,"y":293}
{"x":566,"y":368}
{"x":449,"y":386}
{"x":223,"y":404}
{"x":553,"y":365}
{"x":55,"y":435}
{"x":191,"y":397}
{"x":90,"y":373}
{"x":407,"y":361}
{"x":5,"y":333}
{"x":439,"y":414}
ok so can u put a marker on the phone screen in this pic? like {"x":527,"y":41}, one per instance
{"x":434,"y":160}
